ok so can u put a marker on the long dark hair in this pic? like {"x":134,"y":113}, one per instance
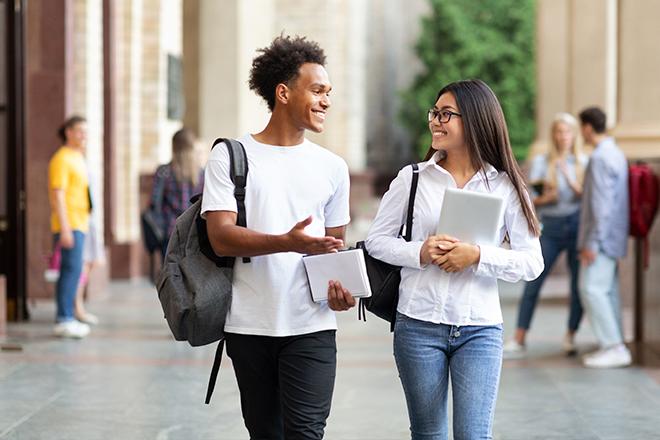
{"x":487,"y":137}
{"x":69,"y":123}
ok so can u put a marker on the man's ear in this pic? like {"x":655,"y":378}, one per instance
{"x":282,"y":93}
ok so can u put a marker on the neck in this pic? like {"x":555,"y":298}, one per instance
{"x":598,"y":138}
{"x":458,"y":164}
{"x":281,"y":131}
{"x":74,"y":147}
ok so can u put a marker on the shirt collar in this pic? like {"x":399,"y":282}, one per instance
{"x":491,"y":172}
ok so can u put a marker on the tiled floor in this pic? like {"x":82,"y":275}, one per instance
{"x":130,"y":380}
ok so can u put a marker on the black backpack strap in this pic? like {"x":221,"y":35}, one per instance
{"x":214,"y":370}
{"x":238,"y":171}
{"x":411,"y":202}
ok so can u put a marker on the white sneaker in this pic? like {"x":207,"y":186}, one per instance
{"x":514,"y":350}
{"x":71,"y":329}
{"x":613,"y":357}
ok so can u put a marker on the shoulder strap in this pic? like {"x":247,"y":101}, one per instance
{"x":411,"y":202}
{"x":238,"y":170}
{"x":214,"y":370}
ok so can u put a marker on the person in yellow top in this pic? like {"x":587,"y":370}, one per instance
{"x":68,"y":189}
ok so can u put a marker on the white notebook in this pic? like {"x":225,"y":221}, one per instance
{"x":347,"y":267}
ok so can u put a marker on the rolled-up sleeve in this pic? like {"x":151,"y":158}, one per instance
{"x":524,"y":260}
{"x":383,"y":241}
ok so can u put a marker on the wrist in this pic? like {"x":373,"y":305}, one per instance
{"x":477,"y":255}
{"x":283,"y":243}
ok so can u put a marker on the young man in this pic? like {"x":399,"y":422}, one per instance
{"x":282,"y":344}
{"x":602,"y":239}
{"x":68,"y":187}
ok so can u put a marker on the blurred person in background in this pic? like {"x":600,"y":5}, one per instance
{"x":93,"y":255}
{"x":175,"y":183}
{"x":603,"y":240}
{"x":68,"y":186}
{"x":556,"y":178}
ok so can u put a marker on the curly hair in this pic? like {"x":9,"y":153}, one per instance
{"x":279,"y":63}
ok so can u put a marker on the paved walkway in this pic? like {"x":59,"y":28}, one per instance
{"x":130,"y":380}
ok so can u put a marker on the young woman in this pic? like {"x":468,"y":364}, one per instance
{"x":176,"y":182}
{"x":449,"y":317}
{"x":558,"y":176}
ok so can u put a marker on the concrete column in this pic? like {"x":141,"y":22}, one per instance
{"x":638,"y":127}
{"x":553,"y":61}
{"x":593,"y":63}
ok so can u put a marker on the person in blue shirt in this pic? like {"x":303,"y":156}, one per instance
{"x":557,"y":181}
{"x":602,"y":240}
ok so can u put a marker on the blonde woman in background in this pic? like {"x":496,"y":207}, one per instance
{"x":556,"y":178}
{"x":176,"y":182}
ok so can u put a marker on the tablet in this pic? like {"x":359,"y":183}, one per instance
{"x":472,"y":217}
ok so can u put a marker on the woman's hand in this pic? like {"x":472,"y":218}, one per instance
{"x":459,"y":257}
{"x":434,"y":247}
{"x":550,"y":195}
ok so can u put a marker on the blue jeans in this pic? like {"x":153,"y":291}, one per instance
{"x":559,"y":234}
{"x":70,"y":269}
{"x":426,"y":354}
{"x":599,"y":287}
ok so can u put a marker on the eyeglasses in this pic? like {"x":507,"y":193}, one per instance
{"x":443,"y":116}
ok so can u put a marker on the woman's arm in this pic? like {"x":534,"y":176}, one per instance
{"x":383,"y":241}
{"x":524,"y":260}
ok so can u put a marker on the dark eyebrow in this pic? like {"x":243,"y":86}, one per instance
{"x":445,"y":107}
{"x":320,"y":86}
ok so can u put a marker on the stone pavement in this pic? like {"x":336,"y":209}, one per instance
{"x":130,"y":380}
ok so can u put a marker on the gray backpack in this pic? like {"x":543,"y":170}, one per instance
{"x":194,"y":285}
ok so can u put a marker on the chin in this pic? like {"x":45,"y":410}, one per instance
{"x":315,"y":128}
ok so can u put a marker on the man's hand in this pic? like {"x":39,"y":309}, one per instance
{"x":434,"y":247}
{"x":458,"y":257}
{"x":66,"y":239}
{"x":587,"y":257}
{"x":339,"y":299}
{"x":302,"y":243}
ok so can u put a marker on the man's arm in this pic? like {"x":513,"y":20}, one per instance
{"x":600,"y":203}
{"x":228,"y":239}
{"x":59,"y":206}
{"x":338,"y":232}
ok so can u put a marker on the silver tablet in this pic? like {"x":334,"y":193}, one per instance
{"x":471,"y":216}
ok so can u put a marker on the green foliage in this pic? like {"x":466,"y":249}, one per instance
{"x":485,"y":39}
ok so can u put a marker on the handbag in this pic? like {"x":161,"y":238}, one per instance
{"x":384,"y":278}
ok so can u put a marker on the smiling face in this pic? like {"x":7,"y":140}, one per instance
{"x":448,"y":135}
{"x":307,"y":98}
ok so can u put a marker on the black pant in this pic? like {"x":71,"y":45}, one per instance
{"x":286,"y":383}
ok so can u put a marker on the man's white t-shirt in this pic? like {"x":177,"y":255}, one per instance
{"x":285,"y":185}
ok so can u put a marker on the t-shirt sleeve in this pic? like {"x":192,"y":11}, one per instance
{"x":218,"y":194}
{"x":58,"y":173}
{"x":337,"y":212}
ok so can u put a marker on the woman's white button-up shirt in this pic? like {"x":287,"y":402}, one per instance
{"x":429,"y":293}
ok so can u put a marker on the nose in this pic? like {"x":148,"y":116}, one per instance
{"x":325,"y":102}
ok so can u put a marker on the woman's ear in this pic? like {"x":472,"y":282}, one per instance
{"x":282,"y":93}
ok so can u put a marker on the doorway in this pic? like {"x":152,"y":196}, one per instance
{"x":12,"y":156}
